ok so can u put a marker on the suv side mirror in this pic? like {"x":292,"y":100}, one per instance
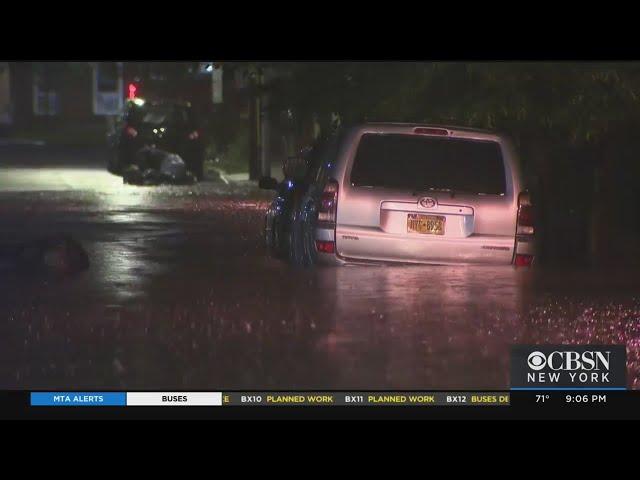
{"x":268,"y":183}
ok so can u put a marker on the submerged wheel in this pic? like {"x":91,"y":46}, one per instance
{"x":113,"y":164}
{"x":308,"y":245}
{"x":303,"y":251}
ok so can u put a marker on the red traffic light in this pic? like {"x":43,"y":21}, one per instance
{"x":133,"y":88}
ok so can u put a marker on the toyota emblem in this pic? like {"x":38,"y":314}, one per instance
{"x":427,"y":202}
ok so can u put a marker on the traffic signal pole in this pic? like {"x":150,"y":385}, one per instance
{"x":254,"y":134}
{"x":265,"y":158}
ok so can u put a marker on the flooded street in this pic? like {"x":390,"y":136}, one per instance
{"x":181,"y":295}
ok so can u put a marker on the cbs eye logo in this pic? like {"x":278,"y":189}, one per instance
{"x":536,"y":361}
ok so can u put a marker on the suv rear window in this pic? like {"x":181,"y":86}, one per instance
{"x":423,"y":163}
{"x":160,"y":115}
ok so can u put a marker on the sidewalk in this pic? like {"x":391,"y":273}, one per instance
{"x":11,"y":142}
{"x":86,"y":134}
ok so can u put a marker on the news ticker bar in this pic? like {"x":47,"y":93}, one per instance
{"x":235,"y":399}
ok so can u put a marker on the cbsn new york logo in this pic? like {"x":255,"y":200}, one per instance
{"x":582,"y":368}
{"x":568,"y":366}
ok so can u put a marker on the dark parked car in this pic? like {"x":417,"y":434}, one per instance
{"x":285,"y":218}
{"x":165,"y":125}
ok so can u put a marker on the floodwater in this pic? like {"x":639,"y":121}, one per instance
{"x":181,"y":295}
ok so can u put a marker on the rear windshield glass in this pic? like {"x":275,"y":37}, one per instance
{"x":159,"y":115}
{"x":422,"y":163}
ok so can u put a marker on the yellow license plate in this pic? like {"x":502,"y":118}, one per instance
{"x":428,"y":224}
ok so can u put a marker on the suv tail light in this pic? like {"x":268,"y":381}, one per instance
{"x":328,"y":204}
{"x":326,"y":247}
{"x":525,"y":225}
{"x":327,"y":215}
{"x":131,"y":132}
{"x":525,"y":229}
{"x":523,"y":260}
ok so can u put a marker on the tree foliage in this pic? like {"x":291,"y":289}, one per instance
{"x":580,"y":102}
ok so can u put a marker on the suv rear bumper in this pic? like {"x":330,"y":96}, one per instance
{"x":523,"y":246}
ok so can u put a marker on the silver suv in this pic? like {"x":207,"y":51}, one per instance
{"x":415,"y":194}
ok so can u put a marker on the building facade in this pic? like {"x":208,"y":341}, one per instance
{"x":43,"y":93}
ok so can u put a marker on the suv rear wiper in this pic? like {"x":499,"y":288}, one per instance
{"x":422,"y":189}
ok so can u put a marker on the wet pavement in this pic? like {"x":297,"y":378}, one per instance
{"x":180,"y":295}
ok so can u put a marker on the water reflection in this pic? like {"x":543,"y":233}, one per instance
{"x":423,"y":326}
